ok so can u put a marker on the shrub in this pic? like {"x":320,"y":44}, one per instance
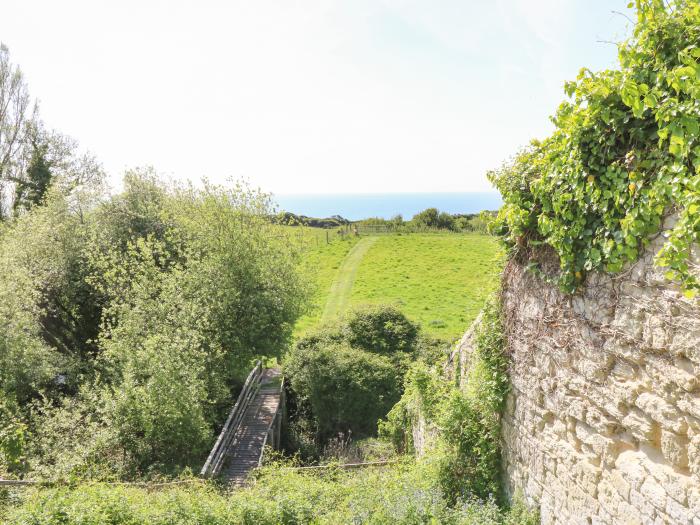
{"x":13,"y":435}
{"x":403,"y":493}
{"x":381,"y":329}
{"x":345,"y":389}
{"x":466,"y":421}
{"x":347,"y":375}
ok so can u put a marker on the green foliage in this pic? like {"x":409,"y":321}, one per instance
{"x":291,"y":219}
{"x":12,"y":439}
{"x":403,"y":493}
{"x":382,"y":330}
{"x":625,"y":152}
{"x":347,"y":376}
{"x":31,"y":190}
{"x":37,"y":254}
{"x":433,"y":218}
{"x":342,"y":388}
{"x":467,"y":419}
{"x":129,"y":324}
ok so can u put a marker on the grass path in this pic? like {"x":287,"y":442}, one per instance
{"x":339,"y":295}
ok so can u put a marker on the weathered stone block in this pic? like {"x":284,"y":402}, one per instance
{"x":640,"y":425}
{"x":661,"y":411}
{"x":620,"y":484}
{"x":678,"y":513}
{"x":674,"y":448}
{"x":630,"y":467}
{"x":654,"y":493}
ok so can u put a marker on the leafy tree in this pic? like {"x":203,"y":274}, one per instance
{"x":30,"y":190}
{"x":433,"y":218}
{"x":15,"y":118}
{"x":427,"y":218}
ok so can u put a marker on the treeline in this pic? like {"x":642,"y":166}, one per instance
{"x":127,"y":320}
{"x":432,"y":219}
{"x":291,"y":219}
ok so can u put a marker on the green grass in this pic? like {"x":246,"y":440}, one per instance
{"x":339,"y":293}
{"x":438,"y":280}
{"x":403,"y":493}
{"x":322,"y":262}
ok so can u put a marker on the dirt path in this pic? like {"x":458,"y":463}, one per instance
{"x":339,"y":296}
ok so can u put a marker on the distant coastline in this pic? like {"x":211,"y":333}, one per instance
{"x":385,"y":205}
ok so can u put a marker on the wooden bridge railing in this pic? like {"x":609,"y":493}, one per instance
{"x":273,"y":437}
{"x":216,"y":458}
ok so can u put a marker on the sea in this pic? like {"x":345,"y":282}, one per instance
{"x":356,"y":206}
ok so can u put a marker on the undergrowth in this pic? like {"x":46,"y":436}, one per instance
{"x":401,"y":494}
{"x":462,"y":422}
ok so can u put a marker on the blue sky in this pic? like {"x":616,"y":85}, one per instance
{"x":309,"y":96}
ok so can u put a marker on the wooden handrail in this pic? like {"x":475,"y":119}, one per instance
{"x":215,"y":461}
{"x":272,"y":423}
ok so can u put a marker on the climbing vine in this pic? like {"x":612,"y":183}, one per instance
{"x":625,"y":153}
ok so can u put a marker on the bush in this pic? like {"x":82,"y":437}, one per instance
{"x":347,"y":375}
{"x":433,"y":218}
{"x":345,"y":389}
{"x":381,"y":330}
{"x":466,"y":421}
{"x":403,"y":493}
{"x":136,"y":318}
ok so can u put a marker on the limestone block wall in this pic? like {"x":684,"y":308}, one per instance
{"x":603,"y":421}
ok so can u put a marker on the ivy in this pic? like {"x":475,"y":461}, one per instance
{"x":625,"y":153}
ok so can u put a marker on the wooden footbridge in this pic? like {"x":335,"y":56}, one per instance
{"x":254,"y":422}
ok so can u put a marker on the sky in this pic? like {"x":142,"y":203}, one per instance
{"x":312,"y":96}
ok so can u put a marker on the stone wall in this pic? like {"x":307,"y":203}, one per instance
{"x":603,"y":421}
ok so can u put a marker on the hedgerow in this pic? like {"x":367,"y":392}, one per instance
{"x":625,"y":153}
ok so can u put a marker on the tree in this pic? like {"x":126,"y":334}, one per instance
{"x":433,"y":218}
{"x":30,"y":190}
{"x":428,"y":218}
{"x":51,"y":158}
{"x":15,"y":117}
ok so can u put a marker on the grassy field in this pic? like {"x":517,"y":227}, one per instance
{"x":339,"y":294}
{"x":438,"y":280}
{"x":322,"y":261}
